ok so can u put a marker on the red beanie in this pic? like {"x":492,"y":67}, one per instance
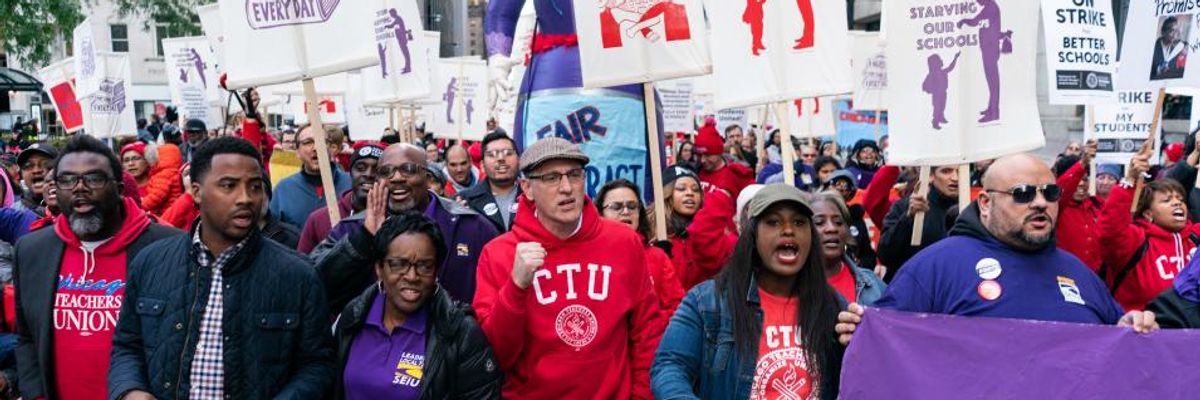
{"x":708,"y":141}
{"x":1174,"y":152}
{"x":140,"y":148}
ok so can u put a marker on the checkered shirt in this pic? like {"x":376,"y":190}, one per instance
{"x":208,"y":366}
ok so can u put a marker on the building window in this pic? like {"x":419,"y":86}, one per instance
{"x":160,"y":33}
{"x":120,"y":37}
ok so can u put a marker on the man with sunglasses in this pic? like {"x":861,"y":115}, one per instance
{"x":1001,"y":261}
{"x":401,"y":183}
{"x":496,"y":196}
{"x":71,"y":279}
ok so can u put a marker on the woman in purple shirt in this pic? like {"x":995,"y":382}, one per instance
{"x":404,"y":338}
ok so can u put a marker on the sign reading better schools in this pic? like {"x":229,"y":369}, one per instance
{"x":1081,"y":43}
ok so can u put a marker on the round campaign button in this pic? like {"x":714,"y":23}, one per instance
{"x":490,"y":209}
{"x":989,"y":290}
{"x":988,"y":268}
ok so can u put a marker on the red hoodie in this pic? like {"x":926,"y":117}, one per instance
{"x":1120,"y":239}
{"x":733,"y":177}
{"x":91,"y":286}
{"x":1077,"y":220}
{"x":587,"y":327}
{"x":708,"y":242}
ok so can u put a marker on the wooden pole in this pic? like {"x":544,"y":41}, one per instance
{"x":964,"y":187}
{"x":785,"y":144}
{"x":314,"y":121}
{"x":1158,"y":106}
{"x":919,"y":219}
{"x":1091,"y":122}
{"x":760,"y":142}
{"x":654,"y":147}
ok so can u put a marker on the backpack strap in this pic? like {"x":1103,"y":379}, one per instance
{"x":1120,"y":276}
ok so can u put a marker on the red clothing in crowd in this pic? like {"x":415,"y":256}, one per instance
{"x":1121,"y":237}
{"x":876,"y":199}
{"x":91,"y":285}
{"x":265,"y":144}
{"x":732,"y":178}
{"x":1076,"y":225}
{"x":843,"y":282}
{"x":665,"y":280}
{"x":317,"y":226}
{"x":777,"y":374}
{"x":182,"y":212}
{"x":588,"y":325}
{"x":165,"y":183}
{"x":701,"y":253}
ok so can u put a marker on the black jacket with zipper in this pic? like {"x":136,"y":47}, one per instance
{"x":895,"y":244}
{"x":459,"y":363}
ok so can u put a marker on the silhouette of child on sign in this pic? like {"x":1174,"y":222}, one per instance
{"x":936,"y":83}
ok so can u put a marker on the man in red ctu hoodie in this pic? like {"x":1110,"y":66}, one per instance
{"x":564,"y":298}
{"x":717,"y":170}
{"x":70,"y":280}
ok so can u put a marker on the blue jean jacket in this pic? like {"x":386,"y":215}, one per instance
{"x":698,"y":359}
{"x":868,"y":288}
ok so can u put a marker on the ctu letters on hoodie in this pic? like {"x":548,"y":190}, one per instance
{"x":571,"y":271}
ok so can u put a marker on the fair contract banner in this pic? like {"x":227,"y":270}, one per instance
{"x":1081,"y":50}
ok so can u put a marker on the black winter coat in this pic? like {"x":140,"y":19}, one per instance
{"x":277,"y":343}
{"x":459,"y":362}
{"x":895,"y":245}
{"x":480,"y":198}
{"x":1174,"y":312}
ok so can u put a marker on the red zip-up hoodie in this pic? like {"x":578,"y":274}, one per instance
{"x":1077,"y":220}
{"x":708,"y":243}
{"x":588,"y":325}
{"x":1120,"y":239}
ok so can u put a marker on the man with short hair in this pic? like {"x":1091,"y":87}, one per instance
{"x":195,"y":132}
{"x":363,"y":161}
{"x":401,"y":185}
{"x":289,"y":141}
{"x":566,"y":294}
{"x":895,"y":245}
{"x":496,"y":196}
{"x":715,"y":168}
{"x":1000,"y":261}
{"x":34,"y":161}
{"x":298,"y":195}
{"x":70,"y":279}
{"x":459,"y":169}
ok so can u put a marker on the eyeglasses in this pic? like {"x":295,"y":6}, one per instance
{"x":94,"y":180}
{"x":1023,"y":194}
{"x":406,"y":170}
{"x":550,"y":178}
{"x":619,"y":207}
{"x":400,"y":267}
{"x":500,"y":153}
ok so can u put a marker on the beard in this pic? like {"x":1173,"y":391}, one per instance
{"x":86,"y":224}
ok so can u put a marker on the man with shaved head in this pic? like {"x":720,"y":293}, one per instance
{"x":1000,"y":261}
{"x":460,"y":170}
{"x":344,"y":259}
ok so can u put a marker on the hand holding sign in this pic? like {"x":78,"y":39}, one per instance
{"x":1139,"y":165}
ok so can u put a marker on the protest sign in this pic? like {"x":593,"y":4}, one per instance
{"x":404,"y":71}
{"x":58,"y":81}
{"x":1120,"y":128}
{"x":640,"y":41}
{"x":970,"y":100}
{"x":950,"y":357}
{"x":109,"y":111}
{"x":1159,"y":35}
{"x":462,"y":89}
{"x":733,"y":116}
{"x":366,"y":123}
{"x":332,"y":109}
{"x":89,"y":69}
{"x":854,"y":125}
{"x":190,"y":74}
{"x":778,"y":51}
{"x":870,"y":71}
{"x":1081,"y":50}
{"x":675,"y":101}
{"x":812,"y":117}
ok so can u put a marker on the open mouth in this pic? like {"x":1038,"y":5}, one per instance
{"x":626,"y":221}
{"x":400,"y":194}
{"x":831,"y":244}
{"x":689,"y":203}
{"x":1039,"y":221}
{"x":242,"y":219}
{"x":82,"y":207}
{"x":409,"y":294}
{"x":566,"y":203}
{"x":787,"y":252}
{"x":1179,"y":214}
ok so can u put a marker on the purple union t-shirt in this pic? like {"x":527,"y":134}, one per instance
{"x":386,"y":365}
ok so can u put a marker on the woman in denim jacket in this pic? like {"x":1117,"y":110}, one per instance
{"x":763,"y":328}
{"x":835,"y":244}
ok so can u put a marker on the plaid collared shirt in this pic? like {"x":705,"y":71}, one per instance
{"x":208,"y":366}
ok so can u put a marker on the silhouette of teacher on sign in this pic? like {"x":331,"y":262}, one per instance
{"x":754,"y":17}
{"x":992,"y":43}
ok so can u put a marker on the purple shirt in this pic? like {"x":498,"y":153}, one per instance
{"x":386,"y":365}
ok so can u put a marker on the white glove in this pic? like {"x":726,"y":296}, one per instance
{"x":499,"y":67}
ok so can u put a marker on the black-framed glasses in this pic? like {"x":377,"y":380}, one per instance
{"x":500,"y":153}
{"x":93,"y":180}
{"x":550,"y":178}
{"x":400,"y":267}
{"x":618,"y":207}
{"x":1023,"y":194}
{"x":406,"y":170}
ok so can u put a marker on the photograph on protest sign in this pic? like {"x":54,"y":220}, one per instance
{"x":778,"y":51}
{"x":1121,"y":127}
{"x":461,"y":87}
{"x":1159,"y":36}
{"x":623,"y":42}
{"x":404,"y":64}
{"x":1081,"y":50}
{"x":58,"y":80}
{"x":970,"y":99}
{"x":190,"y":74}
{"x":870,"y":71}
{"x":109,"y":111}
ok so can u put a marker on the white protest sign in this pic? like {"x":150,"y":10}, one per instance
{"x":401,"y":46}
{"x":870,"y":71}
{"x":1081,"y":50}
{"x":109,"y":111}
{"x":967,"y":89}
{"x":267,"y":42}
{"x":1120,"y":128}
{"x":812,"y":117}
{"x":1159,"y":35}
{"x":57,"y":81}
{"x":462,"y":87}
{"x":214,"y":32}
{"x":623,"y":42}
{"x":332,"y":109}
{"x":89,"y":69}
{"x":778,"y":51}
{"x":190,"y":74}
{"x":733,"y":116}
{"x":675,"y":97}
{"x":366,"y":123}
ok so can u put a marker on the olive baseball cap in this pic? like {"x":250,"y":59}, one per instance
{"x":777,"y":193}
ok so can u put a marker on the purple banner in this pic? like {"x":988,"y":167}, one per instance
{"x":898,"y":355}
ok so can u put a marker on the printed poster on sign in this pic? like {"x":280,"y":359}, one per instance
{"x":854,"y":124}
{"x":1081,"y":50}
{"x":57,"y":79}
{"x":366,"y":123}
{"x":89,"y":69}
{"x":331,"y":108}
{"x":268,"y":43}
{"x":967,"y":87}
{"x":190,"y":75}
{"x":1120,"y":128}
{"x":675,"y":104}
{"x":634,"y":41}
{"x":870,"y":71}
{"x":109,"y":111}
{"x":812,"y":117}
{"x":733,"y":116}
{"x":400,"y":42}
{"x":776,"y":51}
{"x":462,"y":88}
{"x":1159,"y":35}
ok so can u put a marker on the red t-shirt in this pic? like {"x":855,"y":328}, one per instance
{"x":781,"y":371}
{"x":85,"y":315}
{"x":843,"y":282}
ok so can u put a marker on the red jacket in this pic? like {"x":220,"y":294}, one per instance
{"x":665,"y":280}
{"x":1077,"y":220}
{"x":1120,"y":239}
{"x":182,"y":212}
{"x":876,"y":200}
{"x":587,"y":327}
{"x":165,"y":183}
{"x":733,"y":177}
{"x":700,"y":254}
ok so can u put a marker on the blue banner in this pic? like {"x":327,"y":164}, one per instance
{"x":855,"y":125}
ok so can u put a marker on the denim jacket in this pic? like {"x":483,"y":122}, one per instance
{"x":697,"y":358}
{"x":868,"y":288}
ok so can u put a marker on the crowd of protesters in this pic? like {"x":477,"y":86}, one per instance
{"x":165,"y":265}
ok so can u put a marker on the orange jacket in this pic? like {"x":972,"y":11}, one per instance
{"x":165,"y":182}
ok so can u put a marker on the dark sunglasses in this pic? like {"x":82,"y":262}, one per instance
{"x":1023,"y":194}
{"x":406,"y":170}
